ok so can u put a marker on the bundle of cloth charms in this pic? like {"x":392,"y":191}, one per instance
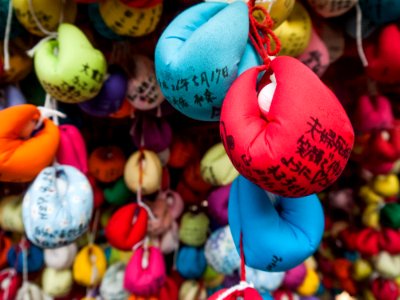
{"x":247,"y":182}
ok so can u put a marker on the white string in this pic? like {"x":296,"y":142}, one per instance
{"x":239,"y":287}
{"x":360,"y":49}
{"x":7,"y":34}
{"x":37,"y":22}
{"x":92,"y":235}
{"x":146,"y":253}
{"x":49,"y":110}
{"x":31,"y":52}
{"x":95,"y":271}
{"x":139,"y":192}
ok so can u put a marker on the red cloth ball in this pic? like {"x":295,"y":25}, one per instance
{"x":384,"y":289}
{"x":127,"y":226}
{"x":301,"y":145}
{"x":383,"y":56}
{"x":367,"y":242}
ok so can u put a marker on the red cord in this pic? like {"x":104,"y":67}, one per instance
{"x":261,"y":33}
{"x":242,"y":261}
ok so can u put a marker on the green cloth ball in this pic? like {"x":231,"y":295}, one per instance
{"x":118,"y":194}
{"x":390,"y":215}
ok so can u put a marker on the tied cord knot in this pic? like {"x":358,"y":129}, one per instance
{"x":261,"y":34}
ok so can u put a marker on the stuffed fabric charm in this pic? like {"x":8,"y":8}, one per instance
{"x":30,"y":291}
{"x":264,"y":282}
{"x":49,"y":14}
{"x":152,"y":171}
{"x":20,"y":62}
{"x":78,"y":70}
{"x":216,"y":168}
{"x":155,"y":133}
{"x":118,"y":193}
{"x":197,"y":57}
{"x":388,"y":266}
{"x":280,"y":10}
{"x":316,"y":55}
{"x":191,"y":262}
{"x":332,"y":8}
{"x":35,"y":258}
{"x":220,"y":251}
{"x":98,"y":23}
{"x":295,"y":226}
{"x":111,"y":95}
{"x":381,"y":11}
{"x":112,"y":285}
{"x":130,"y":21}
{"x":193,"y":229}
{"x":163,"y":219}
{"x":72,"y":148}
{"x":143,"y":90}
{"x":10,"y":281}
{"x":60,"y":258}
{"x":145,"y":273}
{"x":5,"y":246}
{"x":57,"y":207}
{"x":127,"y":227}
{"x":294,"y":277}
{"x":57,"y":283}
{"x":191,"y":289}
{"x":383,"y":62}
{"x":23,"y":156}
{"x":218,"y":204}
{"x":89,"y":266}
{"x":11,"y":214}
{"x":373,"y":113}
{"x":309,"y":158}
{"x":295,"y":32}
{"x":107,"y":164}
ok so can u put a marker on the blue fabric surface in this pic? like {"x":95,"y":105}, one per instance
{"x":278,"y":233}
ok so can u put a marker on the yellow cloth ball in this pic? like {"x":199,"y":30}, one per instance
{"x":369,"y":196}
{"x":295,"y":33}
{"x":20,"y":63}
{"x":190,"y":289}
{"x":11,"y":214}
{"x":370,"y":216}
{"x":386,"y":185}
{"x":56,"y":283}
{"x":216,"y":167}
{"x":361,"y":269}
{"x":49,"y":14}
{"x":152,"y":172}
{"x":89,"y":266}
{"x":125,"y":20}
{"x":280,"y":10}
{"x":310,"y":284}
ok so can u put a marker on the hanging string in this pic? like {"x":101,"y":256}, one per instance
{"x":261,"y":34}
{"x":92,"y":233}
{"x":146,"y":253}
{"x":360,"y":49}
{"x":49,"y":110}
{"x":49,"y":34}
{"x":39,"y":24}
{"x":24,"y":250}
{"x":243,"y":284}
{"x":242,"y":261}
{"x":141,"y":173}
{"x":7,"y":34}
